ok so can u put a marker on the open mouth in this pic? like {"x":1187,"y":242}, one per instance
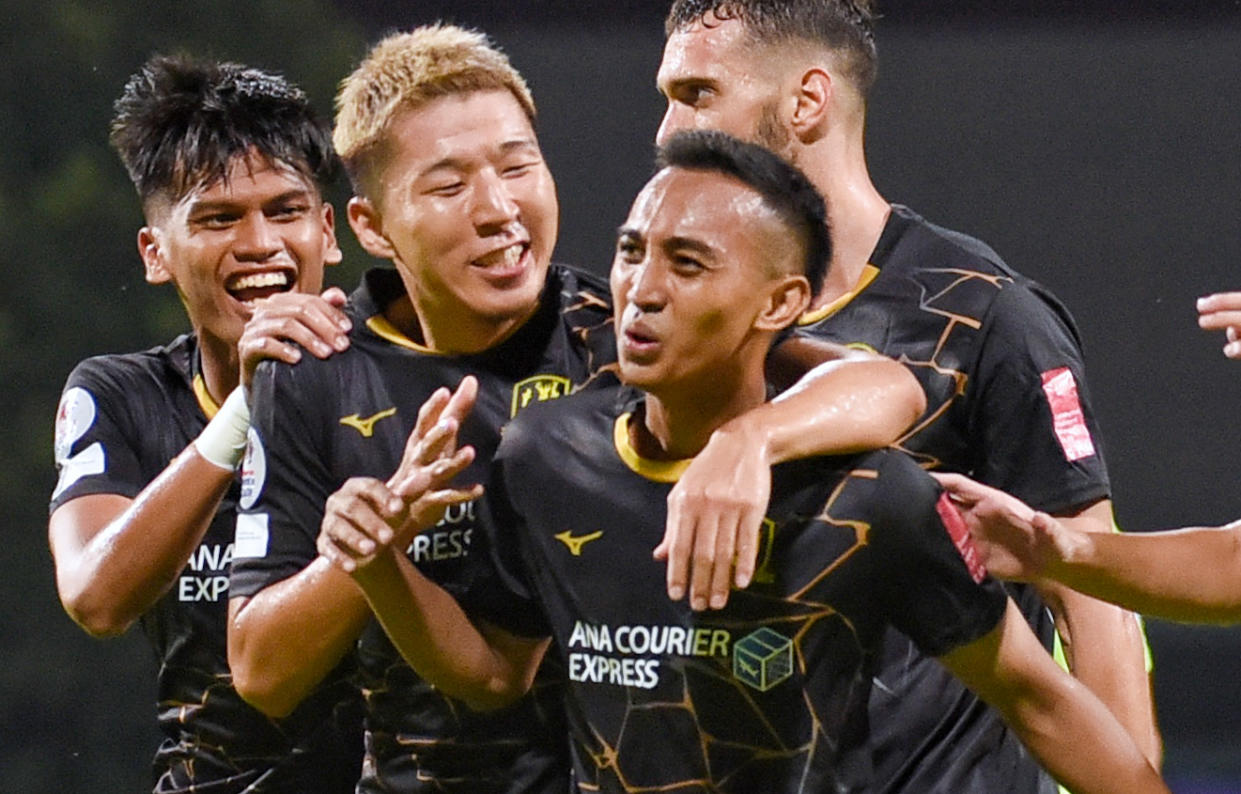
{"x":247,"y":287}
{"x":504,"y":262}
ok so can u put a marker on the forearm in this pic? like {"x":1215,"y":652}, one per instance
{"x":115,"y":558}
{"x":1072,"y":734}
{"x":1104,"y":645}
{"x":436,"y":637}
{"x":284,"y":640}
{"x":1191,"y":575}
{"x":838,"y":407}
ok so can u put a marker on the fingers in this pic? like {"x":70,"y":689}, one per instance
{"x":414,"y":481}
{"x":357,"y":522}
{"x":748,"y":543}
{"x":960,"y":489}
{"x":336,"y":297}
{"x":283,"y":325}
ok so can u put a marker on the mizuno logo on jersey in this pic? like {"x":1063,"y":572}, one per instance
{"x":366,"y":426}
{"x":539,"y":388}
{"x":575,"y":544}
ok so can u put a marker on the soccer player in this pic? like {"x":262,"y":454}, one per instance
{"x":998,"y":356}
{"x":436,"y":130}
{"x":1222,"y":312}
{"x":1192,"y":575}
{"x":722,"y":249}
{"x":229,"y":164}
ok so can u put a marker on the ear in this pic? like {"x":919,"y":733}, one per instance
{"x":331,"y":250}
{"x":788,"y":298}
{"x":367,"y":225}
{"x":814,"y":95}
{"x":154,"y":268}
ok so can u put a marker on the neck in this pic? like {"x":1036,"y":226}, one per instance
{"x":855,"y":209}
{"x":679,"y":420}
{"x":220,"y":367}
{"x":451,"y":329}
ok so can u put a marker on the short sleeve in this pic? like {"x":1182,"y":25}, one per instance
{"x":932,"y":583}
{"x":1036,"y":435}
{"x":93,"y":448}
{"x":285,"y":484}
{"x":502,"y":592}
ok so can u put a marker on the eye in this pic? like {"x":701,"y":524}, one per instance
{"x":519,"y":169}
{"x":687,"y":265}
{"x":694,"y":94}
{"x":628,"y":250}
{"x":446,"y":189}
{"x":288,"y":211}
{"x":217,"y":220}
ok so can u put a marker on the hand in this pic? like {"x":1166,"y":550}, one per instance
{"x":1014,"y":540}
{"x":1222,"y":312}
{"x":435,"y":431}
{"x":315,"y":322}
{"x":714,"y":515}
{"x":359,"y":523}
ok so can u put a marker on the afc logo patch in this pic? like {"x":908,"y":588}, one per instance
{"x":539,"y":388}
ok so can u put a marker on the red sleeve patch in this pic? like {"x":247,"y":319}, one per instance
{"x":960,"y":535}
{"x":1068,"y":420}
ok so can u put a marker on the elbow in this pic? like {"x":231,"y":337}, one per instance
{"x":97,"y":616}
{"x":263,"y":692}
{"x":494,"y":696}
{"x":905,"y":390}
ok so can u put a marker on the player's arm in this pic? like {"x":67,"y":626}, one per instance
{"x":845,"y":401}
{"x":1145,"y":572}
{"x":482,"y":665}
{"x":115,"y":557}
{"x":284,"y":639}
{"x":1072,"y":734}
{"x":1222,"y":312}
{"x":1103,"y":643}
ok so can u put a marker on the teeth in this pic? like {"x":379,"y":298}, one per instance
{"x":507,"y":257}
{"x":260,"y":280}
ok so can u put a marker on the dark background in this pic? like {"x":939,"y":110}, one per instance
{"x":1094,"y":145}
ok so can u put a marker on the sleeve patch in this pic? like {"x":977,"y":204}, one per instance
{"x":1068,"y":420}
{"x":960,"y":535}
{"x":253,"y":470}
{"x":84,"y":464}
{"x":250,"y":540}
{"x":74,"y":417}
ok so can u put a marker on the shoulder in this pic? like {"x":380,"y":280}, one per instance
{"x":571,"y":420}
{"x":926,"y":244}
{"x":131,"y":374}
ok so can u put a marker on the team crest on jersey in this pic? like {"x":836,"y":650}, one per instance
{"x":539,"y":388}
{"x":253,"y":470}
{"x":762,"y":659}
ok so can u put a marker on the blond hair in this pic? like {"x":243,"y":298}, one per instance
{"x":407,"y":70}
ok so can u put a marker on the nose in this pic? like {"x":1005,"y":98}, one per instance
{"x":495,"y":205}
{"x":646,"y":287}
{"x":676,"y":118}
{"x":257,"y":238}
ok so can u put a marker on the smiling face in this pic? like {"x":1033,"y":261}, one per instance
{"x":262,"y":229}
{"x":467,"y":211}
{"x":701,"y":281}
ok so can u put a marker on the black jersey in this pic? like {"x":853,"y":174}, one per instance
{"x":1000,"y":360}
{"x":319,"y":423}
{"x":122,"y":418}
{"x":766,"y":695}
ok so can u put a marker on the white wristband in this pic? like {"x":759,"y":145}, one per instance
{"x":223,"y":440}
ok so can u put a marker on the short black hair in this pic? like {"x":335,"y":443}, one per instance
{"x":846,"y":27}
{"x":180,"y":123}
{"x":784,"y":188}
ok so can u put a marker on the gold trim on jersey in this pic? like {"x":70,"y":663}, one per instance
{"x":657,"y":470}
{"x":209,"y":406}
{"x":380,"y":326}
{"x":868,"y":275}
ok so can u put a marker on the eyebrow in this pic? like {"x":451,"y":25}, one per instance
{"x":198,"y":206}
